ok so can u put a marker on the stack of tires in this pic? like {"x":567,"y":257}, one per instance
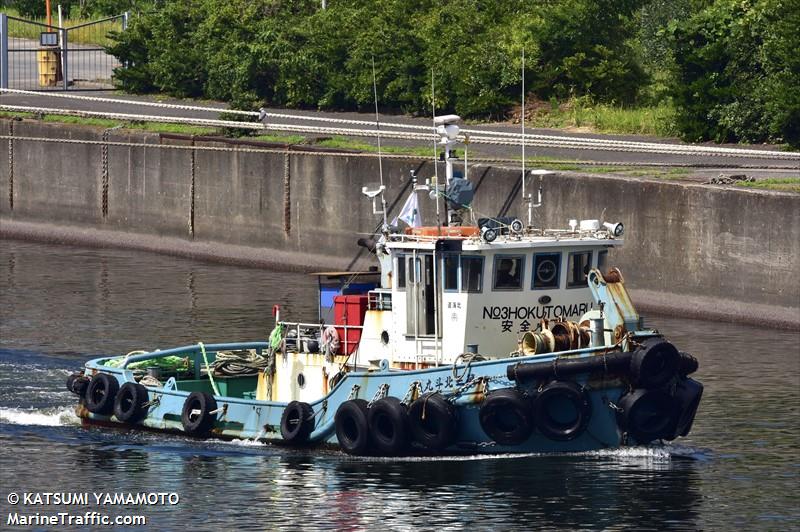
{"x":387,"y":427}
{"x":102,"y":395}
{"x":661,"y":404}
{"x":664,"y":401}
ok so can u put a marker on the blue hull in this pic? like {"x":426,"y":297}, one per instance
{"x":261,"y":420}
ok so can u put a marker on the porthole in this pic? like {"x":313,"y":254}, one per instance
{"x":546,"y":271}
{"x":301,"y":380}
{"x":385,"y":337}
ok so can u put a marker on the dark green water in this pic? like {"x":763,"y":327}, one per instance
{"x":740,"y":467}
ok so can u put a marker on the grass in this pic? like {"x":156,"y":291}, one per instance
{"x":785,"y":184}
{"x":281,"y":139}
{"x":582,"y":113}
{"x":95,"y":34}
{"x":156,"y":127}
{"x":343,"y":143}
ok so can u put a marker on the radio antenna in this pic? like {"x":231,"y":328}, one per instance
{"x":378,"y":130}
{"x":435,"y":161}
{"x":524,"y":197}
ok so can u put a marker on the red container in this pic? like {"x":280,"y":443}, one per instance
{"x":349,"y":310}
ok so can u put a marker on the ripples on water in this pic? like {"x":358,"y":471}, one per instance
{"x":60,"y":305}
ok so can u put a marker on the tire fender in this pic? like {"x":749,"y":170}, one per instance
{"x":196,"y":415}
{"x":352,"y":427}
{"x":100,"y":394}
{"x":646,"y":415}
{"x":388,"y":426}
{"x":433,"y":421}
{"x":129,"y":403}
{"x":505,"y":417}
{"x":546,"y":415}
{"x":297,"y":422}
{"x":654,"y":363}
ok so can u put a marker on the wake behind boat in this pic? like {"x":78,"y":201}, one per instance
{"x":476,"y":335}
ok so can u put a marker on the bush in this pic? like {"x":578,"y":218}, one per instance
{"x":737,"y":72}
{"x":251,"y":52}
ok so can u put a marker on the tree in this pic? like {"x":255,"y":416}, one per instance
{"x":737,"y":72}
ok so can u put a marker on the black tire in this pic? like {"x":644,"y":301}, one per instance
{"x":297,"y":422}
{"x":433,"y":421}
{"x":352,"y":427}
{"x":77,"y":383}
{"x":196,"y":416}
{"x":562,"y":411}
{"x":687,"y":364}
{"x":388,"y":426}
{"x":505,"y":417}
{"x":654,"y":363}
{"x":129,"y":403}
{"x":646,"y":415}
{"x":686,"y":399}
{"x":100,"y":393}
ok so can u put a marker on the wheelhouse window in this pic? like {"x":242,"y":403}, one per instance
{"x":451,"y":272}
{"x":508,"y":272}
{"x":471,"y":274}
{"x":462,"y":272}
{"x":400,"y":272}
{"x":602,"y":261}
{"x":546,"y":270}
{"x":578,"y":269}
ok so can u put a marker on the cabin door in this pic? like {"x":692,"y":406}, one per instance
{"x":419,"y":295}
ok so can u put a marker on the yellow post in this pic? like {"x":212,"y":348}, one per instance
{"x":49,"y":67}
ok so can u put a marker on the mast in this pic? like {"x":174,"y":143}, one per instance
{"x":378,"y":130}
{"x":435,"y":155}
{"x":524,"y":197}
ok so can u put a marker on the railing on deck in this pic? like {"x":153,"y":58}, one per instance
{"x":303,"y":335}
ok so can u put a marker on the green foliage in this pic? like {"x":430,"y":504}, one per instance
{"x":585,"y":48}
{"x":737,"y":72}
{"x":251,"y":52}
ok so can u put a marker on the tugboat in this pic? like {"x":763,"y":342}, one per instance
{"x":491,"y":336}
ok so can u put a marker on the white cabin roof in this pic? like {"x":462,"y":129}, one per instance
{"x":504,"y":242}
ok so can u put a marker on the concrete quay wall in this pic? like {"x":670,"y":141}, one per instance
{"x":689,"y":248}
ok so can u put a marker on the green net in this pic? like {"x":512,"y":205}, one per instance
{"x":173,"y":363}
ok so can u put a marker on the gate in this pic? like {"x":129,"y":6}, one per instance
{"x":35,"y":56}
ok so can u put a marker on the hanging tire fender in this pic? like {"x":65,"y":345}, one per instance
{"x":646,"y":415}
{"x":352,"y":427}
{"x":129,"y":404}
{"x":505,"y":417}
{"x":433,"y":421}
{"x":297,"y":422}
{"x":196,"y":416}
{"x":686,"y":397}
{"x":654,"y":363}
{"x":77,"y":383}
{"x":389,"y":427}
{"x":100,"y":393}
{"x":546,"y":413}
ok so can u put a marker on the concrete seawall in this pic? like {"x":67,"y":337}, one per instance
{"x":699,"y":250}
